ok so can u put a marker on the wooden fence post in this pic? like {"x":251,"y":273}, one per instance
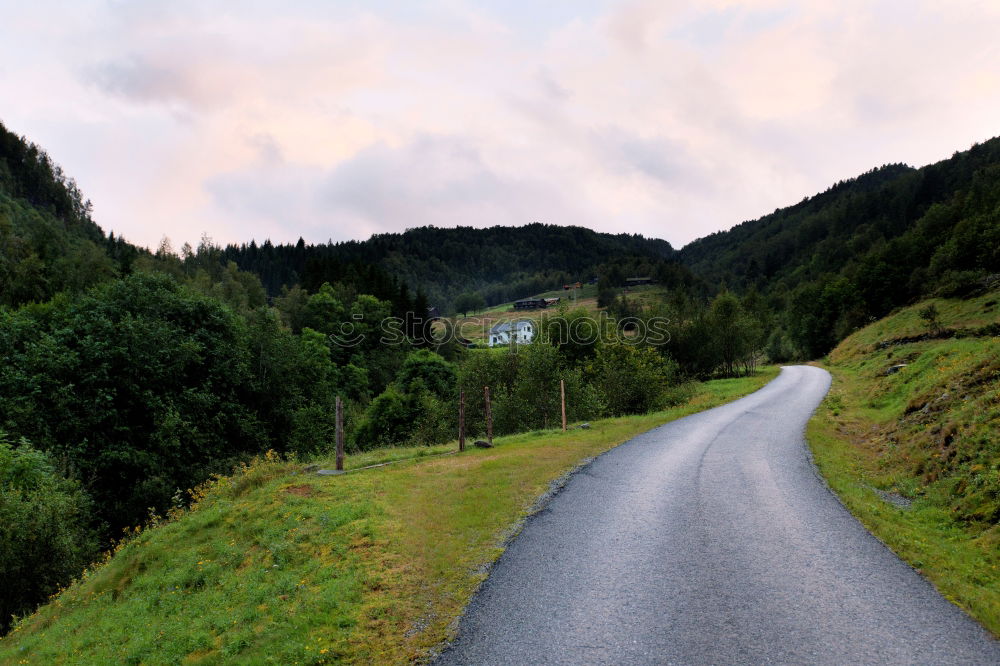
{"x":489,"y":416}
{"x":340,"y":434}
{"x":562,"y":399}
{"x":461,"y":420}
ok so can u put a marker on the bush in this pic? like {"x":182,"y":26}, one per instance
{"x":45,"y":538}
{"x":931,"y":318}
{"x":630,"y":379}
{"x":417,"y":408}
{"x":497,"y":369}
{"x":435,"y":420}
{"x":395,"y":417}
{"x":386,"y":421}
{"x":524,"y":389}
{"x":779,"y":347}
{"x":437,"y":375}
{"x":314,"y":429}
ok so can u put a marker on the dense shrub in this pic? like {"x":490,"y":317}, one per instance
{"x":141,"y":386}
{"x":417,"y":408}
{"x":386,"y":422}
{"x":436,"y":374}
{"x":630,"y":379}
{"x":44,"y":535}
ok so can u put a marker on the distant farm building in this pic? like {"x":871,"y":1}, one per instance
{"x":523,"y":333}
{"x":636,"y":281}
{"x":529,"y":304}
{"x":535,"y":303}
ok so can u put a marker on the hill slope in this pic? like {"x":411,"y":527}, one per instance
{"x":503,"y":263}
{"x":839,"y":259}
{"x":48,"y":243}
{"x":909,"y":437}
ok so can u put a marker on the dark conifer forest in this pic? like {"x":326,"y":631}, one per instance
{"x":501,"y":263}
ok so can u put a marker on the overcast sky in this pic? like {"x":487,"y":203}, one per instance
{"x":339,"y":119}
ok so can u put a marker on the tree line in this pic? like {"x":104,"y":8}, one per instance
{"x":500,"y":263}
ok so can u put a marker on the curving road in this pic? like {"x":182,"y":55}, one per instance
{"x":711,"y":540}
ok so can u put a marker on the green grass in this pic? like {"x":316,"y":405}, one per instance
{"x":278,"y":566}
{"x":929,"y":433}
{"x":954,"y":313}
{"x":587,"y":291}
{"x":475,"y":326}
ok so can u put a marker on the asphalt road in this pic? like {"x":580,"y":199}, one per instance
{"x":711,"y":540}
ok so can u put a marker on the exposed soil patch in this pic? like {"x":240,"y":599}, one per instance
{"x":988,"y":331}
{"x":894,"y":498}
{"x":301,"y":491}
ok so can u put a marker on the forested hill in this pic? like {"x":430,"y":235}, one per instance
{"x":27,"y":173}
{"x":776,"y":244}
{"x":48,"y":243}
{"x":865,"y":246}
{"x":502,"y":263}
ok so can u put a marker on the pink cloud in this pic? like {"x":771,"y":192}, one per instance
{"x":671,"y":119}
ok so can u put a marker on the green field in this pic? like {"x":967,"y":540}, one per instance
{"x":477,"y":324}
{"x":915,"y":455}
{"x":275,"y":565}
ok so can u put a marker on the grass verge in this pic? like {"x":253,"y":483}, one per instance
{"x":915,"y":454}
{"x":276,"y":566}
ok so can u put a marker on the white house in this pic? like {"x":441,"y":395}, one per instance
{"x":522,"y":330}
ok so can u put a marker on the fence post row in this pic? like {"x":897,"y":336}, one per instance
{"x":340,"y":434}
{"x":562,"y":400}
{"x":489,"y":416}
{"x":461,"y":420}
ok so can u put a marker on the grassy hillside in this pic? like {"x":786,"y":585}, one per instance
{"x":914,"y":451}
{"x":276,"y":565}
{"x":476,"y":326}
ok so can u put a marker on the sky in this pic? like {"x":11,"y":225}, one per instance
{"x":335,"y":120}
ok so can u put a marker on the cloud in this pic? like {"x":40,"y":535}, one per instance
{"x":267,"y":148}
{"x":666,"y":162}
{"x":336,"y":120}
{"x":439,"y":180}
